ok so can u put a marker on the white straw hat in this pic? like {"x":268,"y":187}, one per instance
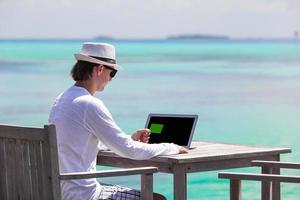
{"x":100,"y":53}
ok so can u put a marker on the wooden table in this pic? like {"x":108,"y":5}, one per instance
{"x":206,"y":156}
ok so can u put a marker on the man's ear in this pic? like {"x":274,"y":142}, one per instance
{"x":99,"y":69}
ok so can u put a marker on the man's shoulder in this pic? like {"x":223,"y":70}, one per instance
{"x":89,"y":99}
{"x":91,"y":103}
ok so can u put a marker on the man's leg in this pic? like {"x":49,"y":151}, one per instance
{"x":157,"y":196}
{"x":111,"y":192}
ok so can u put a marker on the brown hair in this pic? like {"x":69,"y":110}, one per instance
{"x":82,"y":70}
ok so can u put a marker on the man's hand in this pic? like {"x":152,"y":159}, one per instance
{"x":141,"y":135}
{"x":181,"y":149}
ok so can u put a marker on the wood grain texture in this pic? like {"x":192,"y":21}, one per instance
{"x":29,"y":166}
{"x":260,"y":177}
{"x":108,"y":173}
{"x":275,"y":164}
{"x":24,"y":163}
{"x":211,"y":151}
{"x":235,"y":189}
{"x":206,"y":156}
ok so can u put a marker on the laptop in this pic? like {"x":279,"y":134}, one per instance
{"x":172,"y":128}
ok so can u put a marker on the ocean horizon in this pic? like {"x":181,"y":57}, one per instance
{"x":244,"y":92}
{"x":172,"y":39}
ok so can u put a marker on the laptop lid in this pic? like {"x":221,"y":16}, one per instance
{"x":172,"y":128}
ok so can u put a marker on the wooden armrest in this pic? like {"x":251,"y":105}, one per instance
{"x":275,"y":164}
{"x":259,"y":177}
{"x":108,"y":173}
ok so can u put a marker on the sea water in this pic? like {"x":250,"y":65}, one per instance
{"x":245,"y":92}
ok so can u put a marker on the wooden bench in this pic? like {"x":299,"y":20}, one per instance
{"x":270,"y":178}
{"x":29,"y":166}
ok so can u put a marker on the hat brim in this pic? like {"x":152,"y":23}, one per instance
{"x":87,"y":58}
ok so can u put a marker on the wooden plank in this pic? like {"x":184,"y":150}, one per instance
{"x":223,"y":164}
{"x":108,"y":173}
{"x":18,"y":132}
{"x":36,"y":191}
{"x":212,"y":145}
{"x":46,"y":170}
{"x":11,"y":169}
{"x":53,"y":161}
{"x":129,"y":163}
{"x":26,"y":171}
{"x":43,"y":186}
{"x":19,"y":179}
{"x":275,"y":164}
{"x":40,"y":169}
{"x":276,"y":185}
{"x":3,"y":169}
{"x":190,"y":167}
{"x":224,"y":154}
{"x":147,"y":186}
{"x":213,"y":152}
{"x":260,"y":177}
{"x":180,"y":185}
{"x":235,"y":189}
{"x":266,"y":185}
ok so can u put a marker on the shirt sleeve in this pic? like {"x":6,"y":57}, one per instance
{"x":99,"y":120}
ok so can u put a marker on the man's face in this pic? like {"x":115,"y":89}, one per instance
{"x":104,"y":76}
{"x":113,"y":71}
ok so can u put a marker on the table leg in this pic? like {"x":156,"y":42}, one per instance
{"x":271,"y":190}
{"x":276,"y":185}
{"x":180,"y":186}
{"x":266,"y":185}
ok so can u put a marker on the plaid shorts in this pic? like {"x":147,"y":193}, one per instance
{"x":116,"y":192}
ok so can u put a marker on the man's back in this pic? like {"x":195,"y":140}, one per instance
{"x":77,"y":147}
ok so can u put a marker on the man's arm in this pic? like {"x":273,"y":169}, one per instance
{"x":143,"y":135}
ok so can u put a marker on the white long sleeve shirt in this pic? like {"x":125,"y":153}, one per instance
{"x":83,"y":125}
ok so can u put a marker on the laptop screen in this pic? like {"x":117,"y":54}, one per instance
{"x":171,"y":128}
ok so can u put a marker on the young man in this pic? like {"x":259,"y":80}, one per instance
{"x":84,"y":126}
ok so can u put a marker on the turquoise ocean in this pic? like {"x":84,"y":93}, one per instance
{"x":245,"y":92}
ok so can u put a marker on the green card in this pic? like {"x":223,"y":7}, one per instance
{"x":156,"y":128}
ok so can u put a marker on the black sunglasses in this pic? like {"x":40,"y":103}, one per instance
{"x":113,"y":72}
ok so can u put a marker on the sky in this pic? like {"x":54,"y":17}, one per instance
{"x":140,"y":19}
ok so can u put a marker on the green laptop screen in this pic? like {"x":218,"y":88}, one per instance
{"x":156,"y":128}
